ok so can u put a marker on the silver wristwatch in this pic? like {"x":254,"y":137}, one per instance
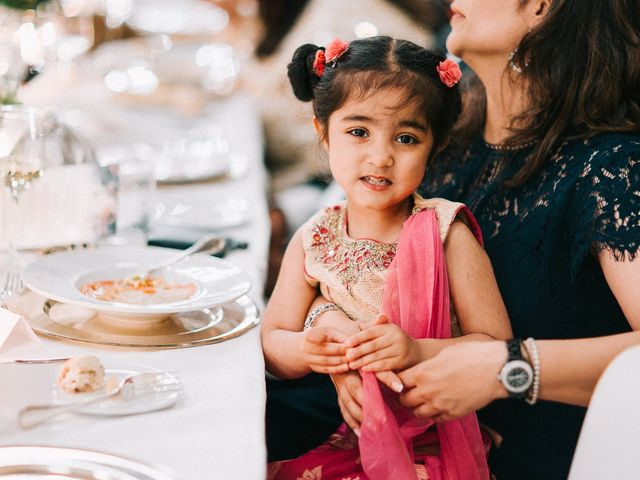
{"x":517,"y":374}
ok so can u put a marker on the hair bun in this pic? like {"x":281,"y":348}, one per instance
{"x":300,"y":72}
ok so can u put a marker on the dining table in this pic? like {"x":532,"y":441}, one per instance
{"x":215,"y":429}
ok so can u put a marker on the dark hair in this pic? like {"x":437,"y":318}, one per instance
{"x":582,"y":66}
{"x":377,"y":63}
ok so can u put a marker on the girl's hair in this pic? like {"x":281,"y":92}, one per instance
{"x":376,"y":63}
{"x":582,"y":68}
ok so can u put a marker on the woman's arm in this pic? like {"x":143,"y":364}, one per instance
{"x":591,"y":356}
{"x":283,"y":340}
{"x":462,"y":378}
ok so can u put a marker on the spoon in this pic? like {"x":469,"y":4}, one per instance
{"x":127,"y":388}
{"x":208,"y":244}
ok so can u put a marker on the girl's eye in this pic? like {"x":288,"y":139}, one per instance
{"x":358,"y":132}
{"x":406,"y":139}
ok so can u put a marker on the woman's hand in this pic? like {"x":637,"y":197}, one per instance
{"x":349,"y":388}
{"x":323,"y":350}
{"x":382,"y":346}
{"x":456,"y":382}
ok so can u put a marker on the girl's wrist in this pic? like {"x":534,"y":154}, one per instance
{"x":338,"y":319}
{"x":416,"y":354}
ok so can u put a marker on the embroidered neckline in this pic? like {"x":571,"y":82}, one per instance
{"x":348,"y":257}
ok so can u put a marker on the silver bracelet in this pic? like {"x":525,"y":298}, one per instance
{"x":532,"y":350}
{"x":316,"y":312}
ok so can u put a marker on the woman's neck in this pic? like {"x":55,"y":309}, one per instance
{"x":505,"y":100}
{"x":379,"y":225}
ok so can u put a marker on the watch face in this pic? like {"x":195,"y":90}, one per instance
{"x":517,"y":376}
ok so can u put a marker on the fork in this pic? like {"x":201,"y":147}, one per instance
{"x":12,"y":284}
{"x":33,"y":361}
{"x":129,"y":387}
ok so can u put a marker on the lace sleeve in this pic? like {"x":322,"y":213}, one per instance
{"x":605,"y":211}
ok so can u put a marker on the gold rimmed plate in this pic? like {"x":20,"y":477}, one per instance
{"x":180,"y":330}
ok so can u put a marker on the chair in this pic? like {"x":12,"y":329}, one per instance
{"x":610,"y":437}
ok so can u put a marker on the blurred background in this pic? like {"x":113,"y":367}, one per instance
{"x":142,"y":96}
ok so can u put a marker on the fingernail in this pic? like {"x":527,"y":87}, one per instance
{"x":397,"y":387}
{"x":356,"y":431}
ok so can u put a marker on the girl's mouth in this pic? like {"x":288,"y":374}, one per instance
{"x":376,"y":181}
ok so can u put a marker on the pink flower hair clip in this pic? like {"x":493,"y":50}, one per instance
{"x":449,"y":72}
{"x":335,"y":49}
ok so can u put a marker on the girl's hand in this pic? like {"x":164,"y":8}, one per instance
{"x":381,"y":346}
{"x":457,"y":381}
{"x":323,"y":350}
{"x":349,"y":388}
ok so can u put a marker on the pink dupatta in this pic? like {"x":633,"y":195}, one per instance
{"x":416,"y":297}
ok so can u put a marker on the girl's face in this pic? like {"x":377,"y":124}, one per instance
{"x":378,"y":148}
{"x":488,"y":28}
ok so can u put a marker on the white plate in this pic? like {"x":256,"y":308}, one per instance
{"x":117,"y":406}
{"x":213,"y":215}
{"x":60,"y":276}
{"x":193,"y":158}
{"x":45,"y":462}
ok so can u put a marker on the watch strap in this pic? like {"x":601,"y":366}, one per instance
{"x":514,"y":349}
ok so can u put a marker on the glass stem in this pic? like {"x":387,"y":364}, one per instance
{"x":13,"y":261}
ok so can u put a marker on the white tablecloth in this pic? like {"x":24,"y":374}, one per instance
{"x":216,"y":430}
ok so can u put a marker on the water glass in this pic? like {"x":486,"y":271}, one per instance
{"x":136,"y":193}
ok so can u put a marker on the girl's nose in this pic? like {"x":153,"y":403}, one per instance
{"x":381,"y":156}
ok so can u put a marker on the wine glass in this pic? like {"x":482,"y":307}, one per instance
{"x":23,"y":131}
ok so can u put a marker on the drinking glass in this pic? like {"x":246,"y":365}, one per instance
{"x":22,"y":163}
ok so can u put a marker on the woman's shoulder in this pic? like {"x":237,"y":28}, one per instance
{"x":605,"y":148}
{"x":604,"y":159}
{"x":615,"y":140}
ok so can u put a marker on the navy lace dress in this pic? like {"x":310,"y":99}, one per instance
{"x":543,"y":239}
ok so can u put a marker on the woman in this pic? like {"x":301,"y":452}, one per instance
{"x":550,"y":166}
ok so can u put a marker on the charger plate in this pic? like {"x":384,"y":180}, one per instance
{"x":181,"y":330}
{"x":44,"y":462}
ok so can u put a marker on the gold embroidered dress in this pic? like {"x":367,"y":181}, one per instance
{"x":350,"y":272}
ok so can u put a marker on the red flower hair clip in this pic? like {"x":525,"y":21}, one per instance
{"x":318,"y":63}
{"x":335,"y":49}
{"x":449,"y":72}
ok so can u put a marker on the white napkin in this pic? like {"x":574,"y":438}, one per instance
{"x":17,"y":340}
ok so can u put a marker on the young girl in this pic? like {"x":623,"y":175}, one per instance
{"x":383,"y":108}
